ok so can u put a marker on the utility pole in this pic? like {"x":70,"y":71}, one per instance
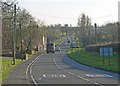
{"x":14,"y":35}
{"x":0,"y":29}
{"x":30,"y":38}
{"x":14,"y":31}
{"x":95,"y":33}
{"x":20,"y":24}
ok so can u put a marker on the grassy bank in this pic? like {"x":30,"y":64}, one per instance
{"x":94,"y":60}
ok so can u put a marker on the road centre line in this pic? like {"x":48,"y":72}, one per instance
{"x":72,"y":73}
{"x":69,"y":72}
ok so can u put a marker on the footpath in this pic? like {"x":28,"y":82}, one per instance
{"x":18,"y":76}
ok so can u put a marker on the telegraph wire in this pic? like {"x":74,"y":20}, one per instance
{"x":70,"y":18}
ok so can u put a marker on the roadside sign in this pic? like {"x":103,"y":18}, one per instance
{"x":101,"y":52}
{"x":106,"y":52}
{"x":110,"y":51}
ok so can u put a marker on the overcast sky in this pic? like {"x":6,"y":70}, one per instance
{"x":67,"y":11}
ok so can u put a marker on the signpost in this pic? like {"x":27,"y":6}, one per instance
{"x":101,"y":52}
{"x":106,"y":52}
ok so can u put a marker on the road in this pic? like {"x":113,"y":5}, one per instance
{"x":57,"y":68}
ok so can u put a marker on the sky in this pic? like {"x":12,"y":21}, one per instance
{"x":67,"y":11}
{"x":119,"y":11}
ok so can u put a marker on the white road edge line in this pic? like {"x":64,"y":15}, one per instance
{"x":29,"y":67}
{"x":34,"y":80}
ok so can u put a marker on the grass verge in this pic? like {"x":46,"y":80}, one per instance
{"x":94,"y":60}
{"x":6,"y":66}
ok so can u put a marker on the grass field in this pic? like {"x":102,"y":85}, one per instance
{"x":94,"y":60}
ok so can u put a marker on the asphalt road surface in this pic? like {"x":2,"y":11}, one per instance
{"x":57,"y":68}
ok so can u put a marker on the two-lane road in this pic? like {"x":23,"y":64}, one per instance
{"x":56,"y":68}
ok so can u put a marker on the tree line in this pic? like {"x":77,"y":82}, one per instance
{"x":92,"y":34}
{"x":28,"y":32}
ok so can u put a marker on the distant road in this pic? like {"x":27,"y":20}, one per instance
{"x":55,"y":68}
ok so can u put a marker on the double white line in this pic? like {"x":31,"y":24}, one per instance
{"x":29,"y":68}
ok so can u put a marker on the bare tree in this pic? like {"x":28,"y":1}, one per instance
{"x":84,"y":24}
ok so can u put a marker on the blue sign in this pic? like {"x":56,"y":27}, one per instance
{"x":101,"y":52}
{"x":106,"y":53}
{"x":110,"y":51}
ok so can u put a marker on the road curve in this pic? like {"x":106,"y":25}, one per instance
{"x":57,"y":68}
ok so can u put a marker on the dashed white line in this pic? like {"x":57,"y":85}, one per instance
{"x":84,"y":78}
{"x":96,"y":83}
{"x":70,"y":72}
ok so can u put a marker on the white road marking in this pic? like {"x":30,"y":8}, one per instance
{"x":84,"y":78}
{"x":96,"y":83}
{"x":54,"y":75}
{"x":99,"y":75}
{"x":108,"y":75}
{"x":34,"y":80}
{"x":39,"y":78}
{"x":70,"y":72}
{"x":59,"y":67}
{"x":29,"y":67}
{"x":90,"y":75}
